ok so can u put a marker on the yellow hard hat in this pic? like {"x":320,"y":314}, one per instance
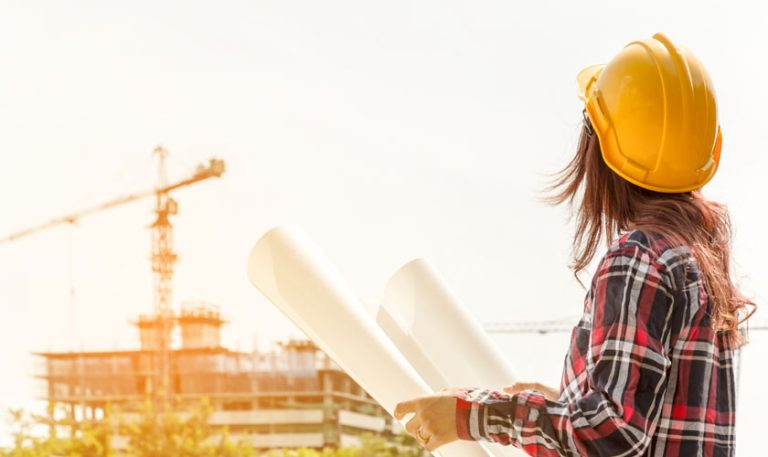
{"x":654,"y":110}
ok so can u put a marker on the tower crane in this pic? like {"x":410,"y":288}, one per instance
{"x":163,"y":257}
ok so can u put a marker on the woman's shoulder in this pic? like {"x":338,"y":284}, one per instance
{"x":663,"y":251}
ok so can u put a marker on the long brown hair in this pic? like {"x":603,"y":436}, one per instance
{"x":611,"y":205}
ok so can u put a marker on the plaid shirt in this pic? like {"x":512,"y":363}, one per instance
{"x":645,"y":375}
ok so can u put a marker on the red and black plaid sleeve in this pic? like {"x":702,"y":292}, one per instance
{"x":618,"y":370}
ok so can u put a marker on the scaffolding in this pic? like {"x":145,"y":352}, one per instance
{"x":291,"y":396}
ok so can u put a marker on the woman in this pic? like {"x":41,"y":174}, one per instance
{"x":649,"y":370}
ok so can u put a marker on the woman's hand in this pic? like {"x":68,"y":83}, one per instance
{"x":434,"y":419}
{"x":435,"y":415}
{"x":549,"y":392}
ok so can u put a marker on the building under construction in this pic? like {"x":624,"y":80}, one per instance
{"x":292,"y":396}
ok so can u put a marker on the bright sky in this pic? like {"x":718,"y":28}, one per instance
{"x":387,"y":130}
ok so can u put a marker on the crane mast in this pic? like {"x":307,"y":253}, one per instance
{"x":163,"y":260}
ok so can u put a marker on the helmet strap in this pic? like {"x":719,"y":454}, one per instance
{"x":587,"y":124}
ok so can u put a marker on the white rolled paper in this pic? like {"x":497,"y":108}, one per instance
{"x":297,"y":277}
{"x":440,"y":337}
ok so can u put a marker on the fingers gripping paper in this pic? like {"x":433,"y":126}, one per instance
{"x":295,"y":275}
{"x":440,"y":337}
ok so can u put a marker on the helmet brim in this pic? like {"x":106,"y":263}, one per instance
{"x":585,"y":78}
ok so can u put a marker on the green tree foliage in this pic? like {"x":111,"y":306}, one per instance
{"x":169,"y":434}
{"x":163,"y":432}
{"x":157,"y":433}
{"x":91,"y":440}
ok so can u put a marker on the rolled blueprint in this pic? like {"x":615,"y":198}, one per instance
{"x":296,"y":276}
{"x":439,"y":337}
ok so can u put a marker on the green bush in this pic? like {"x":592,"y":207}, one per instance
{"x":162,"y":432}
